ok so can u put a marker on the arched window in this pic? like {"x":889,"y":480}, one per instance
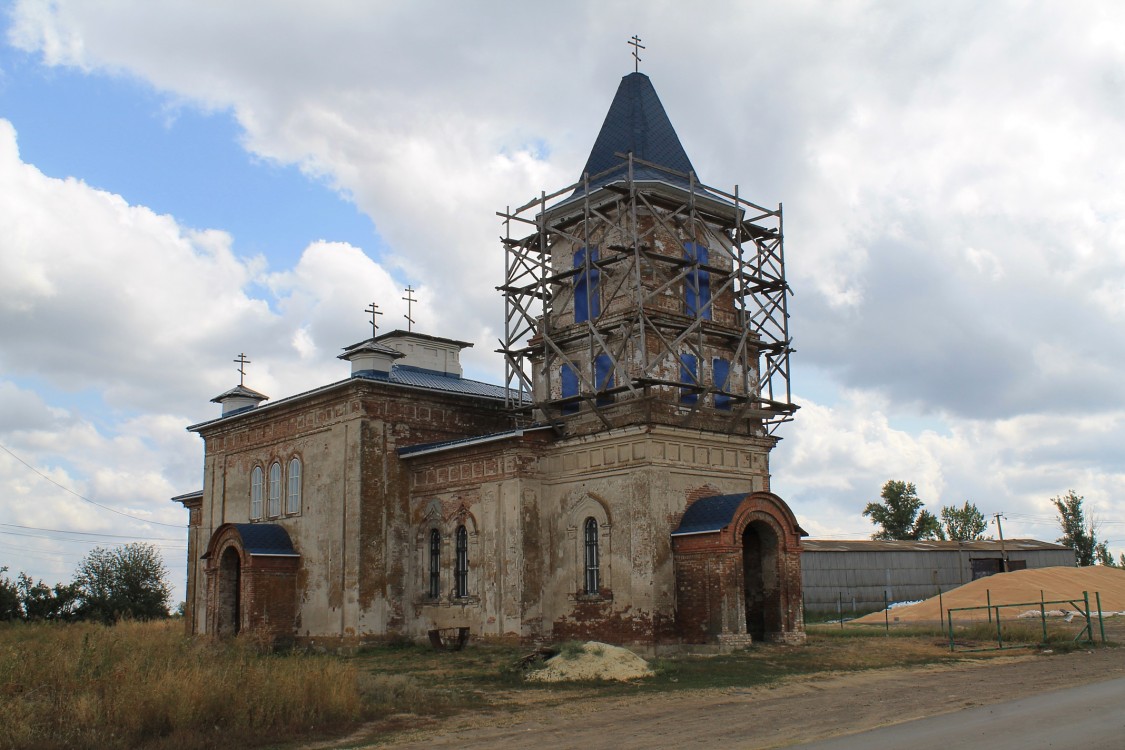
{"x":293,"y":500}
{"x":461,"y":569}
{"x":275,"y":489}
{"x":435,"y":564}
{"x":256,"y":493}
{"x":587,"y":299}
{"x":593,"y":578}
{"x":697,"y":285}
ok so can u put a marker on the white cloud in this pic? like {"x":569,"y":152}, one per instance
{"x":954,"y":215}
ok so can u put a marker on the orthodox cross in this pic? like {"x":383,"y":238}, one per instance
{"x":374,"y":310}
{"x":242,"y":362}
{"x":635,"y":43}
{"x":409,"y":307}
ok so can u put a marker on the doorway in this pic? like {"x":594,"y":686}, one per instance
{"x":762,"y":580}
{"x":230,"y":577}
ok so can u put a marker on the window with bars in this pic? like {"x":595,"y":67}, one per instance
{"x":435,"y":564}
{"x":593,"y":574}
{"x":461,"y":568}
{"x":256,"y":493}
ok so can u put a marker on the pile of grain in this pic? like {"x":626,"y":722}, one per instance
{"x":595,"y":661}
{"x":1020,"y":586}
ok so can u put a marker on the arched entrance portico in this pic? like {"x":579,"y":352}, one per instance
{"x":738,"y":570}
{"x":251,"y":574}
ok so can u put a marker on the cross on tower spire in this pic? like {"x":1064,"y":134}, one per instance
{"x":242,"y":362}
{"x":374,"y":310}
{"x":635,"y":43}
{"x":409,"y":307}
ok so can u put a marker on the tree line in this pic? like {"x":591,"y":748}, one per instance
{"x":899,"y":515}
{"x":127,"y":581}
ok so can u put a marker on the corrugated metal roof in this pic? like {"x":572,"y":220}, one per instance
{"x":435,"y":381}
{"x":266,"y":539}
{"x":239,"y":391}
{"x":414,"y":450}
{"x":881,"y":545}
{"x":709,"y":514}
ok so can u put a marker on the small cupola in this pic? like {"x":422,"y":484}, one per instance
{"x":239,"y":398}
{"x":369,"y":358}
{"x":423,"y":352}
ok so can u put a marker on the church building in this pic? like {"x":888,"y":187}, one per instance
{"x":615,"y":487}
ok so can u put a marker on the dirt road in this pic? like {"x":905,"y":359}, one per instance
{"x":794,"y":711}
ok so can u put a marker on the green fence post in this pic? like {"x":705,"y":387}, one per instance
{"x":949,"y":614}
{"x":988,"y":599}
{"x":1089,"y":622}
{"x":999,"y":635}
{"x":840,"y":608}
{"x":1101,"y":621}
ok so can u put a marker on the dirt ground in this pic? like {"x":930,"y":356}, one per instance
{"x":793,"y":711}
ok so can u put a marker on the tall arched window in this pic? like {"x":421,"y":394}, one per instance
{"x":593,"y":578}
{"x":275,"y":489}
{"x":461,"y":569}
{"x":435,"y":564}
{"x":293,"y":499}
{"x":256,"y":493}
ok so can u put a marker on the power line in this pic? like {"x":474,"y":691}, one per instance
{"x":163,"y":545}
{"x":93,"y":533}
{"x":86,"y":499}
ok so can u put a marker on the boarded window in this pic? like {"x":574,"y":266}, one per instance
{"x":293,"y":497}
{"x":275,"y":489}
{"x":256,"y":493}
{"x":587,"y":301}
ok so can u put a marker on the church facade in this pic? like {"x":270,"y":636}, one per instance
{"x":617,"y":485}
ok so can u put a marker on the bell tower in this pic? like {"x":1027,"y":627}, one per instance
{"x":639,"y":295}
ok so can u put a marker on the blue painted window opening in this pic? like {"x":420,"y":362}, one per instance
{"x":593,"y":574}
{"x":688,"y":374}
{"x":587,"y":300}
{"x":697,"y":285}
{"x":603,"y":377}
{"x":256,"y":493}
{"x":569,"y":388}
{"x":720,"y":371}
{"x":461,"y":570}
{"x":435,"y":563}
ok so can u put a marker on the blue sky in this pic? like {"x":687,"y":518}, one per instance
{"x":192,"y":182}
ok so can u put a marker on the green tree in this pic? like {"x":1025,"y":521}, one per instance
{"x":42,"y":602}
{"x":1078,"y":534}
{"x":1103,"y":555}
{"x":964,"y":524}
{"x":900,"y":515}
{"x":130,"y":580}
{"x":9,"y":597}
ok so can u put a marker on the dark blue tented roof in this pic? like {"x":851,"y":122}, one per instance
{"x":265,"y":539}
{"x":709,"y":514}
{"x":637,"y":123}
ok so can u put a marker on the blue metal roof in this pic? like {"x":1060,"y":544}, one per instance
{"x":709,"y":514}
{"x":637,"y":123}
{"x":434,"y":380}
{"x":265,"y":539}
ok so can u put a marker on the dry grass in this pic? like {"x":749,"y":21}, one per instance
{"x":146,"y":685}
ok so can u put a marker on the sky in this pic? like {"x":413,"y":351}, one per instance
{"x":185,"y":181}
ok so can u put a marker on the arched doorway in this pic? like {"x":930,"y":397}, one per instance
{"x":229,"y":599}
{"x":761,"y":580}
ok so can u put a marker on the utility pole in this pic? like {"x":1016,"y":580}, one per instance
{"x":1003,"y":551}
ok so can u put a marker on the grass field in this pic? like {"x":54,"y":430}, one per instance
{"x":145,"y":685}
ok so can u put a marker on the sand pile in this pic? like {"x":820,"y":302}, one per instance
{"x":595,"y":661}
{"x":1020,"y":586}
